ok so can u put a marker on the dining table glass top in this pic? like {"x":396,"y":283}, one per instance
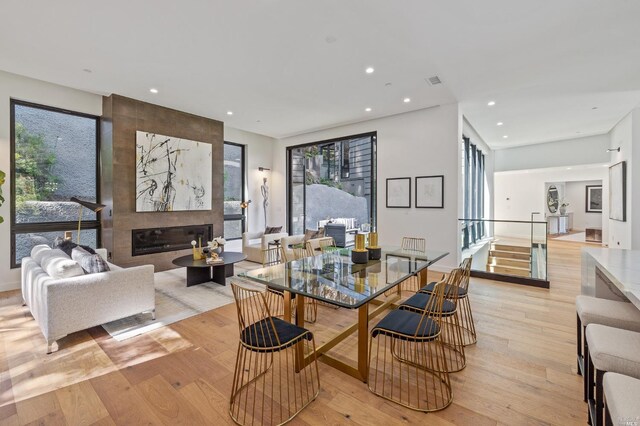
{"x":333,"y":278}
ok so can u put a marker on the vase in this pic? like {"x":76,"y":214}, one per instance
{"x":563,"y":210}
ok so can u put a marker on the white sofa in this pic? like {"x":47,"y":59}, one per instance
{"x":253,"y":243}
{"x":66,"y":305}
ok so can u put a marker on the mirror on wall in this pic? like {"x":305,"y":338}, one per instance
{"x":553,"y":200}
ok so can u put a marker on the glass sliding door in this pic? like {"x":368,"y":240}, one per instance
{"x":332,"y":179}
{"x":234,"y":191}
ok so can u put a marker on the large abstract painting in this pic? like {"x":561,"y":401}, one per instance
{"x":172,"y":174}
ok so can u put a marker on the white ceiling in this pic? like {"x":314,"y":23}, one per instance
{"x":289,"y":66}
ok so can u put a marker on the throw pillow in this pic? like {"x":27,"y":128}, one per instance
{"x":38,"y":252}
{"x":57,"y":265}
{"x":310,"y":234}
{"x":67,"y":246}
{"x":90,"y":263}
{"x":272,"y":229}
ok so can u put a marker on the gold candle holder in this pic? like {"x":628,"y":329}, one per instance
{"x":373,"y":239}
{"x":359,"y":242}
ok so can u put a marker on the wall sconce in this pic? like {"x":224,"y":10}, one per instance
{"x":263,"y":169}
{"x":613,"y":149}
{"x":245,"y":204}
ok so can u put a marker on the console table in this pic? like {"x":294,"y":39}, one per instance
{"x":560,"y":223}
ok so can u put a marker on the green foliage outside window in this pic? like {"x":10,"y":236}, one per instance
{"x":34,"y":162}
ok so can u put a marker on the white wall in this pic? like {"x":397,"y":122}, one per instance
{"x":570,"y":152}
{"x":27,"y":89}
{"x":626,"y":135}
{"x":418,"y":143}
{"x":576,"y":194}
{"x":519,"y":193}
{"x":258,"y":153}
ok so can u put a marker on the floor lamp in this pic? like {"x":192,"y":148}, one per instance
{"x":94,"y":207}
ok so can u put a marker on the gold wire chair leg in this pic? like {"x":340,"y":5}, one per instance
{"x":466,"y":324}
{"x":415,"y":378}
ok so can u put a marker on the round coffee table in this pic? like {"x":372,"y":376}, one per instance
{"x":198,"y":271}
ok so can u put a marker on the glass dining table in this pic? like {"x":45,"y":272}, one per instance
{"x":331,"y":277}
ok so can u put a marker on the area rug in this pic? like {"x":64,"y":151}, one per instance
{"x":175,"y":301}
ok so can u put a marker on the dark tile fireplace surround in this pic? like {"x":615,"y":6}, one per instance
{"x":158,"y":240}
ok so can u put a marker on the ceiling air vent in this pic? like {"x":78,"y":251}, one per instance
{"x":434,"y":80}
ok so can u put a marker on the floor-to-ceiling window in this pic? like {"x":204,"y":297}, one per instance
{"x":473,"y":193}
{"x":332,"y":179}
{"x":54,"y":156}
{"x":234,"y":191}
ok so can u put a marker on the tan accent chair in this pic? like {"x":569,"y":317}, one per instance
{"x":253,"y":243}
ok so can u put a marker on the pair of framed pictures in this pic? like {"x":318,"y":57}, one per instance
{"x":429,"y":192}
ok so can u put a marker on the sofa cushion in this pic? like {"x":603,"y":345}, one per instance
{"x":57,"y":265}
{"x":272,"y":229}
{"x":38,"y":252}
{"x":90,"y":263}
{"x":67,"y":246}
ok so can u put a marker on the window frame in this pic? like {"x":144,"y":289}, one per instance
{"x":239,"y":216}
{"x":24,"y":228}
{"x":373,"y":135}
{"x":472,"y":193}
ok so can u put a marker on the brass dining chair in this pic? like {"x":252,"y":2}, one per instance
{"x":297,"y":253}
{"x":271,"y":383}
{"x":461,"y":297}
{"x":414,"y":282}
{"x":414,"y":244}
{"x":451,"y":332}
{"x":407,"y":364}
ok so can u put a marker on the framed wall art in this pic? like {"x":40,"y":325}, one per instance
{"x":399,"y":192}
{"x":430,"y":192}
{"x":618,"y":192}
{"x":172,"y":174}
{"x":593,"y":199}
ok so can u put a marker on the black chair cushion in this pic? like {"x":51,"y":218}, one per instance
{"x":419,"y":302}
{"x":406,"y":324}
{"x":262,"y":334}
{"x":448,"y":290}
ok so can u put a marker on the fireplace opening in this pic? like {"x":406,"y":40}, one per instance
{"x":158,"y":240}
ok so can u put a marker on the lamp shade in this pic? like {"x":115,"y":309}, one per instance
{"x":94,"y":207}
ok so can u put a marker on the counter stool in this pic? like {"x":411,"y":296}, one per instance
{"x":621,"y":399}
{"x":612,"y":350}
{"x":593,"y":310}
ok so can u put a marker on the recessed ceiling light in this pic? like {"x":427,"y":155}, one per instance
{"x":87,"y":70}
{"x":229,"y":112}
{"x":568,"y":168}
{"x":368,"y":109}
{"x":491,"y":103}
{"x":406,"y":100}
{"x":499,"y":123}
{"x":594,"y":108}
{"x":505,"y":136}
{"x":369,"y":70}
{"x":153,"y":90}
{"x":387,"y":84}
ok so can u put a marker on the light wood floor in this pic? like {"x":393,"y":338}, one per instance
{"x":521,"y":371}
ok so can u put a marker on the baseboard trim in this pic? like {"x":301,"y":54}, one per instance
{"x":8,"y":286}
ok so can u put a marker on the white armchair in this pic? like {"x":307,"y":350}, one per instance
{"x":254,"y":242}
